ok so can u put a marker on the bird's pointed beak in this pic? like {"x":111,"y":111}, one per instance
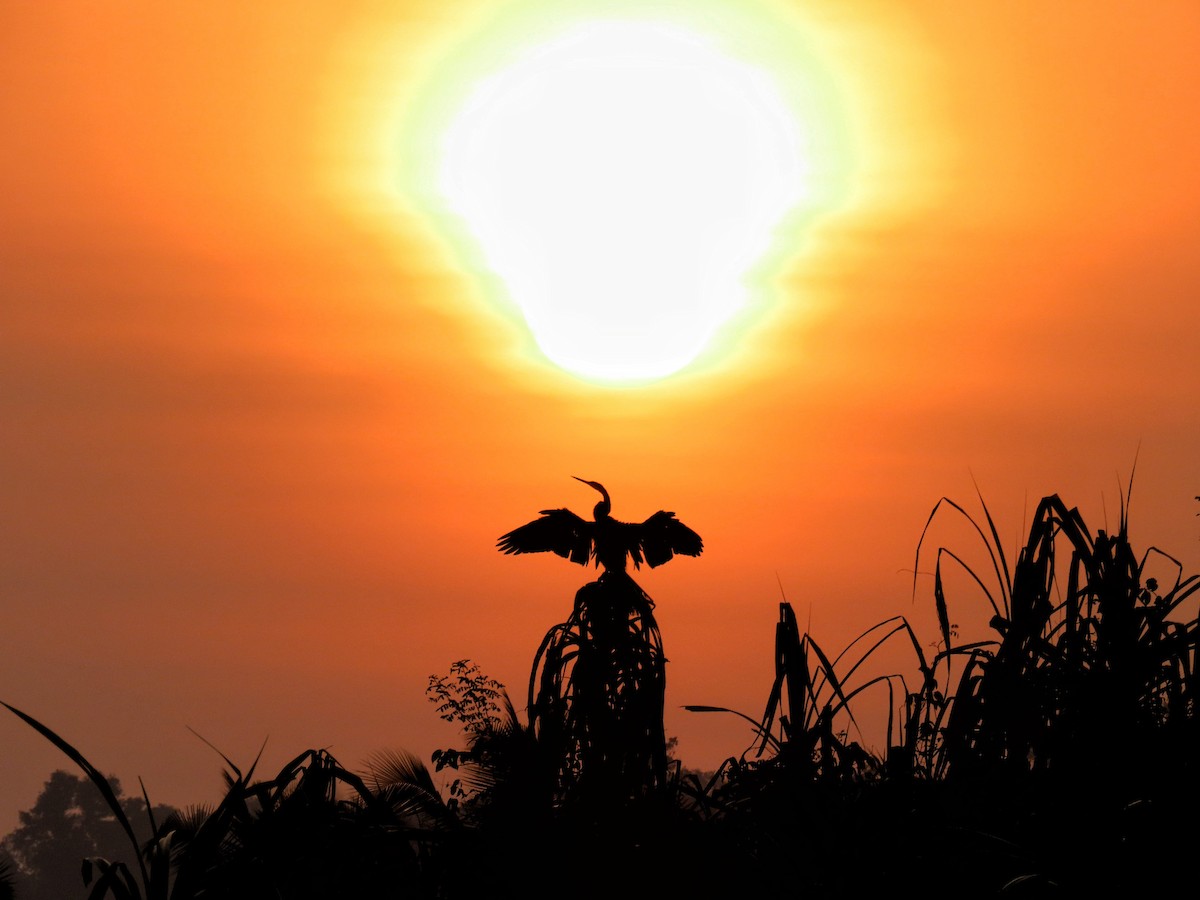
{"x":594,"y":485}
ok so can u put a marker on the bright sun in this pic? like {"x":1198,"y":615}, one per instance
{"x":621,"y":179}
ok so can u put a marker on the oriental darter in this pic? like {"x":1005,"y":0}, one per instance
{"x":597,"y":688}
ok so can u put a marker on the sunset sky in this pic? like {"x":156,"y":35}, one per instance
{"x":267,"y":404}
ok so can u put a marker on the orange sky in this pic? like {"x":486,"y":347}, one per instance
{"x":262,"y":424}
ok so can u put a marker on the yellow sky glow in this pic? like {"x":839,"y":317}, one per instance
{"x":621,"y":179}
{"x":782,"y":94}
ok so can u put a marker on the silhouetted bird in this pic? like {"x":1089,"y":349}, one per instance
{"x":605,"y":541}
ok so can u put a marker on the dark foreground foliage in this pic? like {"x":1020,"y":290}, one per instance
{"x":1055,"y":757}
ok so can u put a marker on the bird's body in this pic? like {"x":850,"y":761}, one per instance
{"x":604,"y":541}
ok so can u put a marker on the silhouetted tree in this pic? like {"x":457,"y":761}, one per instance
{"x":69,"y":821}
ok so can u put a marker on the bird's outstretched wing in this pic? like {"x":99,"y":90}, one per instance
{"x":557,"y":531}
{"x":662,"y":536}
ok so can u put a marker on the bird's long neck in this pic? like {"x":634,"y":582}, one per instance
{"x":603,"y":509}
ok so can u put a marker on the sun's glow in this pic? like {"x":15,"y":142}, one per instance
{"x":622,"y":178}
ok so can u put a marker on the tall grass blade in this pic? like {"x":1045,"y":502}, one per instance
{"x":93,"y":775}
{"x":1004,"y":575}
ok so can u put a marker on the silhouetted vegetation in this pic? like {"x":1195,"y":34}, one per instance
{"x":70,"y":822}
{"x":1054,"y":756}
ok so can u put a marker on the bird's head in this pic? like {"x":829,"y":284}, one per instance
{"x":604,"y":507}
